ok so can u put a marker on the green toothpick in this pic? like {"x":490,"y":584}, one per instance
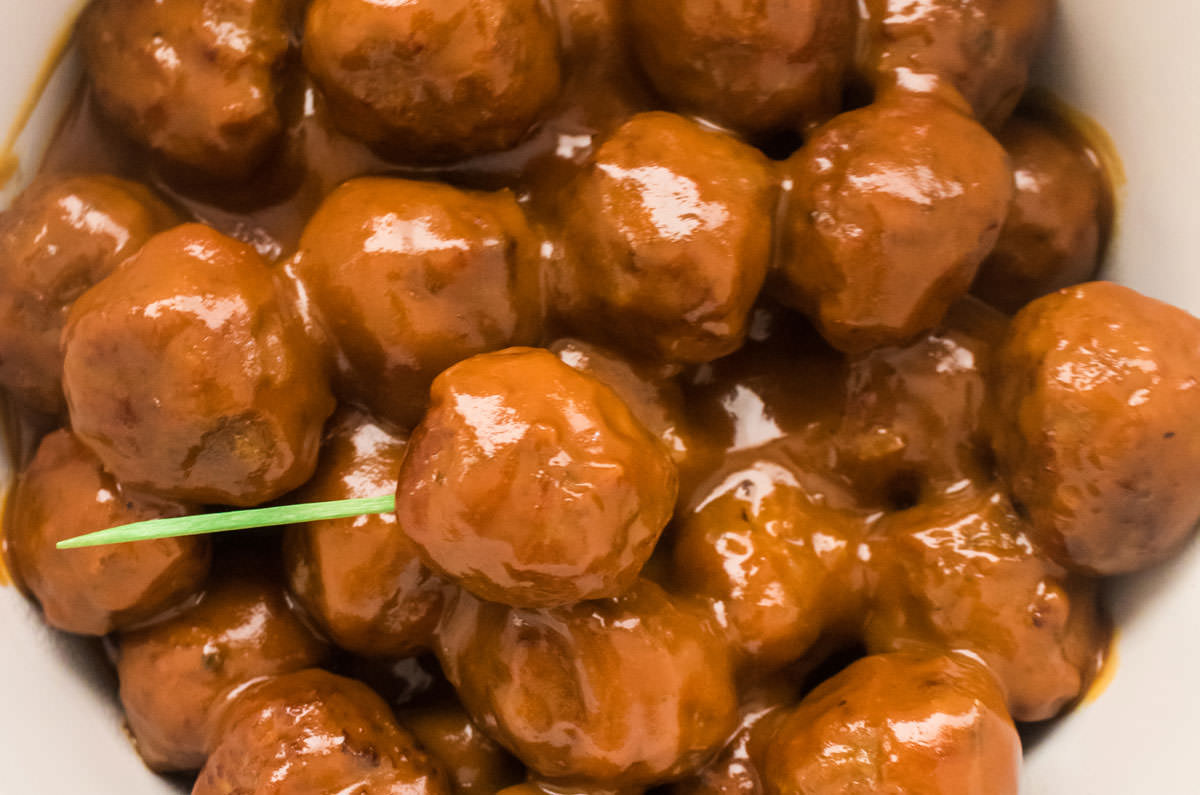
{"x":233,"y":520}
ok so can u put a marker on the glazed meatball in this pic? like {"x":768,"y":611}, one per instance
{"x":893,"y":207}
{"x":1098,"y":396}
{"x":187,"y":377}
{"x":983,"y":48}
{"x":92,"y":591}
{"x":620,"y":692}
{"x":1058,"y":221}
{"x":474,"y":763}
{"x":668,"y":237}
{"x":310,"y":732}
{"x":60,"y":237}
{"x":772,"y":559}
{"x":907,"y":722}
{"x":434,"y":80}
{"x":961,"y":573}
{"x":535,"y":788}
{"x":361,"y":578}
{"x":748,"y":65}
{"x":410,"y":277}
{"x":531,"y":484}
{"x":174,"y":673}
{"x":197,"y":81}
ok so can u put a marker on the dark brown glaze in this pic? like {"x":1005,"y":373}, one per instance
{"x":752,"y":66}
{"x":313,"y":732}
{"x":892,"y":209}
{"x":983,"y":48}
{"x":57,"y":239}
{"x":65,"y":493}
{"x":667,"y":238}
{"x":961,"y":573}
{"x":408,"y":278}
{"x":473,"y":762}
{"x":542,"y":788}
{"x":196,"y":81}
{"x":175,"y":673}
{"x":362,"y":579}
{"x":1099,"y":392}
{"x":431,"y":81}
{"x":619,"y":692}
{"x":530,"y":483}
{"x":1059,"y":218}
{"x":914,"y":722}
{"x":187,"y":377}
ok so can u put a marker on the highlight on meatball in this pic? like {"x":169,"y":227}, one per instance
{"x":408,"y":278}
{"x":532,"y":484}
{"x":196,"y":81}
{"x":434,"y":80}
{"x":64,"y":493}
{"x":667,"y":240}
{"x":1098,"y":394}
{"x":187,"y":376}
{"x":474,"y":763}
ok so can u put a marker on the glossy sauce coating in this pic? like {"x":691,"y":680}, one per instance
{"x":65,"y":493}
{"x":473,"y":762}
{"x":529,"y":483}
{"x":174,"y":674}
{"x":314,"y":732}
{"x":1100,"y":393}
{"x":362,"y":579}
{"x":186,"y":375}
{"x":60,"y":237}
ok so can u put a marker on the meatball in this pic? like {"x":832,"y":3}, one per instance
{"x":983,"y":48}
{"x":474,"y":763}
{"x":92,"y":591}
{"x":197,"y":81}
{"x":748,"y":65}
{"x":187,"y":377}
{"x":434,"y":80}
{"x":621,"y":692}
{"x":309,"y":732}
{"x":536,"y":788}
{"x":904,"y":722}
{"x":361,"y":578}
{"x":1098,"y":393}
{"x":531,"y":484}
{"x":893,"y":207}
{"x":668,"y":237}
{"x":961,"y":573}
{"x":60,"y":237}
{"x":410,"y":277}
{"x":173,"y":674}
{"x":1058,"y":221}
{"x":773,"y":560}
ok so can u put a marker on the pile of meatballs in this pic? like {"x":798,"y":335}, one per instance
{"x":752,"y":422}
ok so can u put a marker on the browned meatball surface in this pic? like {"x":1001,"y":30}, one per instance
{"x":175,"y":673}
{"x":748,"y":65}
{"x":65,"y":493}
{"x":1059,"y":217}
{"x":313,"y":732}
{"x":619,"y":692}
{"x":1100,"y":395}
{"x":410,"y":277}
{"x":532,"y":484}
{"x":434,"y":80}
{"x":60,"y":237}
{"x":361,"y":578}
{"x":961,"y":573}
{"x":981,"y":47}
{"x":892,"y":209}
{"x":538,"y":788}
{"x":668,"y":237}
{"x":898,"y":723}
{"x":187,"y":377}
{"x":195,"y":80}
{"x":474,"y":763}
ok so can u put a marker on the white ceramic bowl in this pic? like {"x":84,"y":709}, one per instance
{"x":1131,"y":66}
